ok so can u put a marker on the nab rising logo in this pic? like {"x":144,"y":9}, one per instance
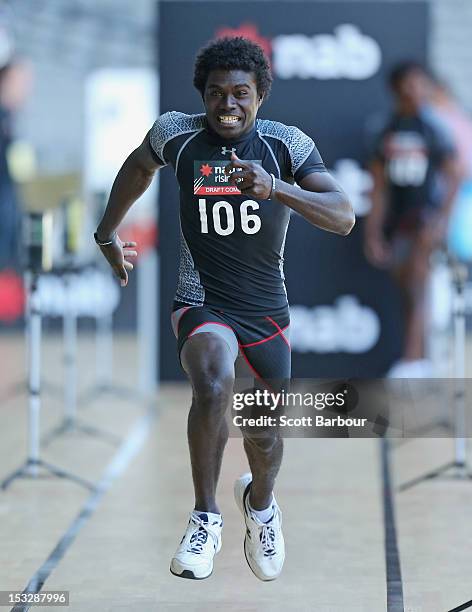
{"x":345,"y":54}
{"x":210,"y":178}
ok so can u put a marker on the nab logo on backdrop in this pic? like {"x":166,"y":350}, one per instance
{"x":347,"y":53}
{"x":345,"y":327}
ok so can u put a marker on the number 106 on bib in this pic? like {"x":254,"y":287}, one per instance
{"x":223,"y":217}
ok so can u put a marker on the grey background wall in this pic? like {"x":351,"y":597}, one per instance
{"x":451,"y":48}
{"x":64,"y":40}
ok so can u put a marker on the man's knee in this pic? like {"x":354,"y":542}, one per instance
{"x":211,"y":371}
{"x":212,"y":389}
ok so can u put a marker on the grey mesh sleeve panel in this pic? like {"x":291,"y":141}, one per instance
{"x":312,"y":163}
{"x":155,"y":156}
{"x":169,"y":126}
{"x":189,"y":288}
{"x":299,"y":145}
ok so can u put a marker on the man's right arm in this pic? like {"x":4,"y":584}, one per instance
{"x":131,"y":182}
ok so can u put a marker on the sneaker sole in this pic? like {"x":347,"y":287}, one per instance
{"x":189,"y":575}
{"x":186,"y":573}
{"x":265,"y":579}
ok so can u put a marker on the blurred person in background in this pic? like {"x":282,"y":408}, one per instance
{"x":15,"y":79}
{"x":457,"y":120}
{"x":416,"y":176}
{"x":459,"y":123}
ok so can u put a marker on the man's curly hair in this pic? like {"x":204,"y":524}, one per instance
{"x":233,"y":53}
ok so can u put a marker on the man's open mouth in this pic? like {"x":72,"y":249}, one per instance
{"x":228,"y":119}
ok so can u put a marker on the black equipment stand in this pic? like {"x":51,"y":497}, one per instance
{"x":457,"y":468}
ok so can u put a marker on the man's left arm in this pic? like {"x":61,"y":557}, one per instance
{"x":434,"y":233}
{"x":453,"y":176}
{"x":319,"y":198}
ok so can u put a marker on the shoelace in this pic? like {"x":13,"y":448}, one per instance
{"x":266,"y":536}
{"x":199,"y":538}
{"x":267,"y":539}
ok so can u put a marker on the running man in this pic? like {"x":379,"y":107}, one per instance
{"x":236,"y":175}
{"x":416,"y":177}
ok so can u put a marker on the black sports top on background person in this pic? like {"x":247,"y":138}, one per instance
{"x":413,"y":150}
{"x":231,"y":251}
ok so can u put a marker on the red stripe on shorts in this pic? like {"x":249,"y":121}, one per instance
{"x":278,"y":333}
{"x":280,"y":330}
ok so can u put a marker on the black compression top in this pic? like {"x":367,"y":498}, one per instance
{"x":231,"y":254}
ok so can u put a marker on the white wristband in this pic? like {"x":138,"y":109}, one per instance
{"x":272,"y":191}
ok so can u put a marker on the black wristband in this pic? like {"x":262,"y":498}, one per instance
{"x":104,"y":242}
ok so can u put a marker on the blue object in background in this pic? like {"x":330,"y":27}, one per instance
{"x":460,"y":227}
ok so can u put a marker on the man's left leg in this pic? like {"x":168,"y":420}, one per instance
{"x":264,"y":544}
{"x":264,"y":453}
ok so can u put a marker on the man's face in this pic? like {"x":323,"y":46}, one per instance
{"x":231,"y":102}
{"x":414,"y":88}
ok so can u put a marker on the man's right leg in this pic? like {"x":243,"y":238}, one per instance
{"x":209,"y":364}
{"x":208,"y":359}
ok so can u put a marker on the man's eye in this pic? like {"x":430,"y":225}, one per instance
{"x":215,"y":93}
{"x":242,"y":92}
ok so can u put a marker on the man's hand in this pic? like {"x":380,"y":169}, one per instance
{"x":117,"y":254}
{"x":250,"y":178}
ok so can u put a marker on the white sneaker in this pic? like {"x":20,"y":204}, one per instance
{"x":264,"y":546}
{"x":419,"y":368}
{"x":202,"y":540}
